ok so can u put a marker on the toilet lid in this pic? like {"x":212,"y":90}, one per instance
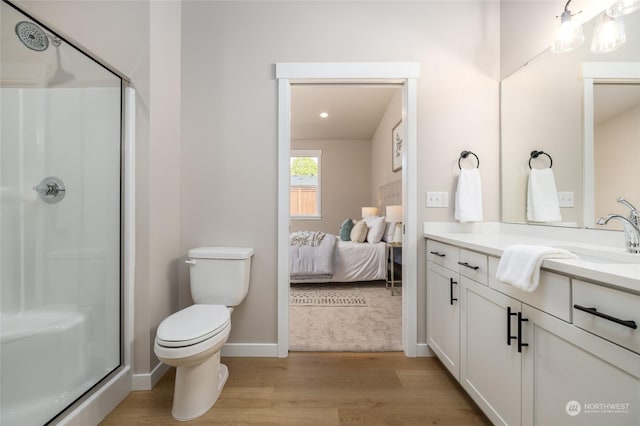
{"x":192,"y":325}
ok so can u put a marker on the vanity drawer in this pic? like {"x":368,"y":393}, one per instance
{"x":552,"y":296}
{"x":615,"y":305}
{"x":473,"y":265}
{"x":443,"y":254}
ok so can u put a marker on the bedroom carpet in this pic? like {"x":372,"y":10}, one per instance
{"x":376,"y":327}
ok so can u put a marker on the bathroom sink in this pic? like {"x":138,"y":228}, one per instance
{"x":605,"y":257}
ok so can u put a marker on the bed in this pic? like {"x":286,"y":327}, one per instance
{"x":344,"y":261}
{"x":352,"y":262}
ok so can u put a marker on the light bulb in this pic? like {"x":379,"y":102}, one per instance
{"x":608,"y":34}
{"x":569,"y":35}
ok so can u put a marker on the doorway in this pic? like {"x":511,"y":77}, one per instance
{"x":404,"y":74}
{"x":342,"y":162}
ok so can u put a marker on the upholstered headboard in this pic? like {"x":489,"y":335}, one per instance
{"x":389,"y":194}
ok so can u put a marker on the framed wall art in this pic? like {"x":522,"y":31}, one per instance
{"x":397,"y":137}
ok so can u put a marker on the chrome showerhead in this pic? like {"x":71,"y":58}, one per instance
{"x":32,"y":36}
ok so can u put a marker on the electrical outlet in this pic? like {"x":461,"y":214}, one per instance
{"x":566,"y":199}
{"x":437,"y":199}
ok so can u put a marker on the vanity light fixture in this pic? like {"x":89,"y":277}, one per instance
{"x":569,"y":35}
{"x":618,"y":8}
{"x":324,"y":115}
{"x":608,"y":34}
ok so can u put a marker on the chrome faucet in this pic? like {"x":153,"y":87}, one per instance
{"x":634,"y":215}
{"x":631,"y":226}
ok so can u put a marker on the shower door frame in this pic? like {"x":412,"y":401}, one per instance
{"x":107,"y":393}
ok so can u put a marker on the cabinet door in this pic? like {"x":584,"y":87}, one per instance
{"x":490,"y":365}
{"x":570,"y":375}
{"x":443,"y":316}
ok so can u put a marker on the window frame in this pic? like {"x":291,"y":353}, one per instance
{"x":316,"y":153}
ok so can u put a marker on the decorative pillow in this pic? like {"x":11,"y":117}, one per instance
{"x":359,"y":232}
{"x":345,"y":229}
{"x":389,"y":232}
{"x":376,"y":226}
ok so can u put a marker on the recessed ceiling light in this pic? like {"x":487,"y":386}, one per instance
{"x":324,"y":115}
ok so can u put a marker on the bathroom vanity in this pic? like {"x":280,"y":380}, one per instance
{"x":544,"y":357}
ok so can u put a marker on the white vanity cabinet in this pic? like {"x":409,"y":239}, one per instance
{"x":564,"y":368}
{"x":533,"y":358}
{"x":443,"y":305}
{"x":490,"y":368}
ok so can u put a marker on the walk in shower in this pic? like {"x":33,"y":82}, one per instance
{"x":61,"y":293}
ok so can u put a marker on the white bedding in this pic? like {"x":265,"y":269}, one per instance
{"x":356,"y":262}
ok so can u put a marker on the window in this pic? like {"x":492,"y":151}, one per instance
{"x":304,"y":188}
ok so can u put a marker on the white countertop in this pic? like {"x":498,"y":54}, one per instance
{"x":601,"y":262}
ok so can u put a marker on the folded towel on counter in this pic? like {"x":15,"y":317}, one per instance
{"x":468,"y":206}
{"x":542,"y":197}
{"x":520,"y":264}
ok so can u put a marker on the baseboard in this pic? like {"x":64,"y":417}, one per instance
{"x":423,"y":350}
{"x":97,"y":406}
{"x":148,"y":380}
{"x":264,"y":350}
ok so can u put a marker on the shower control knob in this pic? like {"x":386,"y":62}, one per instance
{"x":51,"y":190}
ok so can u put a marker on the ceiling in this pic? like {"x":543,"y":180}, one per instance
{"x":354,"y":110}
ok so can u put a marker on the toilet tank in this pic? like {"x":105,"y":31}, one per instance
{"x":219,"y":275}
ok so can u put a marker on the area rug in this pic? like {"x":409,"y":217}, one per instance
{"x":376,"y":327}
{"x":323,"y":295}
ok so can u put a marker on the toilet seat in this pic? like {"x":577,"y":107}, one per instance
{"x":193,"y":325}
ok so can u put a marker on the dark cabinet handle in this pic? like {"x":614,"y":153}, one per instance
{"x":509,"y":315}
{"x":593,"y":311}
{"x":451,"y":298}
{"x":465,"y":264}
{"x":520,"y":321}
{"x":437,"y":254}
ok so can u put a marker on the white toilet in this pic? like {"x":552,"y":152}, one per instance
{"x":191,"y":339}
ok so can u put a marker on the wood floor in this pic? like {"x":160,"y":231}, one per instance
{"x":319,"y":389}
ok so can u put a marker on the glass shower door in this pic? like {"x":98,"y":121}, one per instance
{"x":60,"y":221}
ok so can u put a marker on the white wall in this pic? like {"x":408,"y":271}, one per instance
{"x":229,"y":113}
{"x":616,"y":151}
{"x":164,"y":165}
{"x":381,"y":169}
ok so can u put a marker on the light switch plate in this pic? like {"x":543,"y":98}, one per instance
{"x":566,"y":199}
{"x":437,"y":199}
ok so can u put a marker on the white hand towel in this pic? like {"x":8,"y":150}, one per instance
{"x":468,"y":206}
{"x":520,"y":264}
{"x":542,"y":197}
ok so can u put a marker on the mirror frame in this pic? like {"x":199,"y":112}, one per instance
{"x":593,"y":73}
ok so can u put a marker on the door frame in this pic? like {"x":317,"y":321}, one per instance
{"x":405,"y":73}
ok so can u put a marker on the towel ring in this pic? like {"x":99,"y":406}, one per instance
{"x":465,"y":154}
{"x":536,"y":154}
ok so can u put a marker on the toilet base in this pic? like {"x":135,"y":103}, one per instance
{"x":198,"y":387}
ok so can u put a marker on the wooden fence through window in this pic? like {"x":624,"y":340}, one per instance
{"x":303,"y":201}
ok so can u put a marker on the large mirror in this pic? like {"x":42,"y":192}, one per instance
{"x":548,"y":106}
